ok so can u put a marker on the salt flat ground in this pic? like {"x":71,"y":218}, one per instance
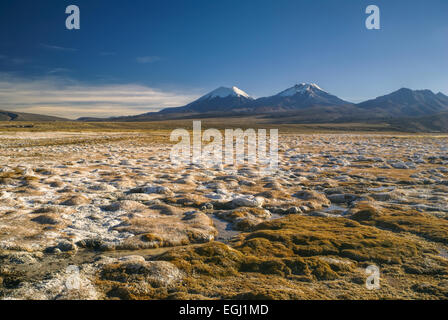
{"x":110,"y":203}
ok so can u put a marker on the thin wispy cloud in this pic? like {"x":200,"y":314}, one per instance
{"x":13,"y":60}
{"x":57,"y":48}
{"x":59,"y":71}
{"x":63,"y":97}
{"x":148,"y":59}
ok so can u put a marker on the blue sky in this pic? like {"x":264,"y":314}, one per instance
{"x":142,"y":55}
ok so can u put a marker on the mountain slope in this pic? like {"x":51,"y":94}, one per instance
{"x":407,"y":102}
{"x":221,"y":99}
{"x":20,"y":116}
{"x":442,"y":97}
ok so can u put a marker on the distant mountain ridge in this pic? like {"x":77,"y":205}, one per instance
{"x":21,"y":116}
{"x":407,"y":102}
{"x":412,"y":110}
{"x":301,"y":103}
{"x":300,"y":99}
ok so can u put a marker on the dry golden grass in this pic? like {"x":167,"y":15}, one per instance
{"x":218,"y":123}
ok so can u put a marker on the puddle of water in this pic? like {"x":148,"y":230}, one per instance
{"x":275,"y":216}
{"x":141,"y":252}
{"x":225,"y":231}
{"x":379,"y":189}
{"x":334,"y":207}
{"x":89,"y":255}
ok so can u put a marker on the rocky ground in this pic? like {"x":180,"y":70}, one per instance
{"x":107,"y":216}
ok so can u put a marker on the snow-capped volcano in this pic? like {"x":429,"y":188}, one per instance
{"x":219,"y":100}
{"x":300,"y":96}
{"x":300,"y":89}
{"x":223,"y":92}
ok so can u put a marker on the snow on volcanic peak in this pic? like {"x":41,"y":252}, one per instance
{"x":223,"y":92}
{"x":300,"y":88}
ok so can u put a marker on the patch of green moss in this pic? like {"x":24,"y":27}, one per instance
{"x":365,"y":211}
{"x":315,"y":236}
{"x":212,"y":258}
{"x":421,"y":224}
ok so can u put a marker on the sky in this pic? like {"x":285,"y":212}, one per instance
{"x":131,"y":57}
